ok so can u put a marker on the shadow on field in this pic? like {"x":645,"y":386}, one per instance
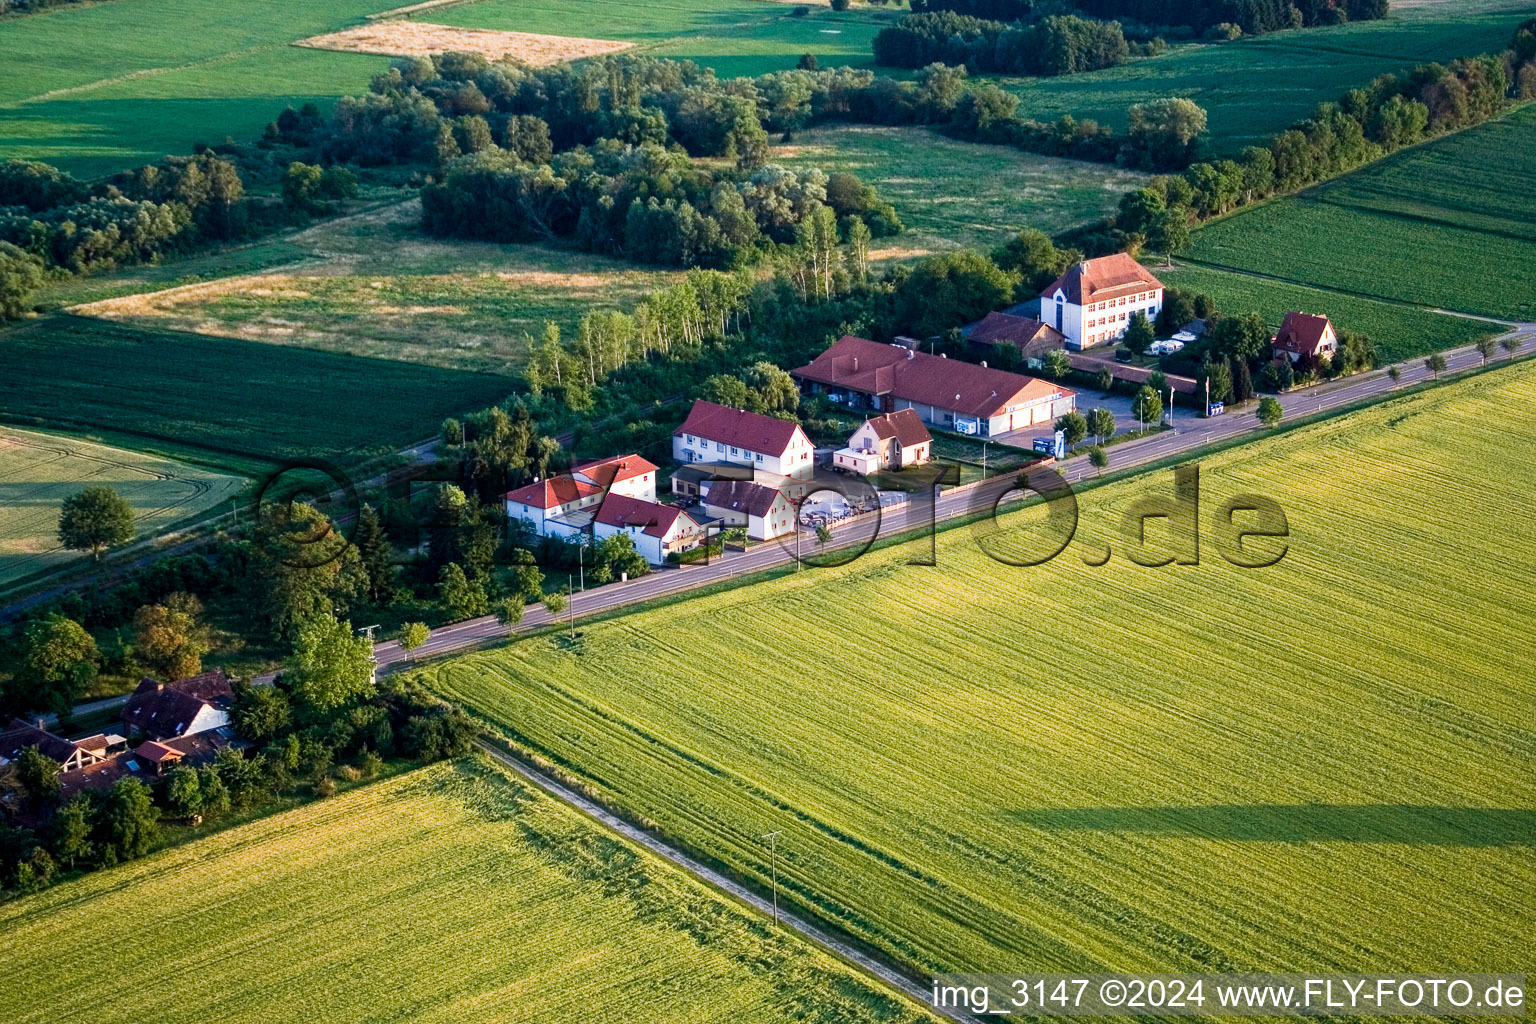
{"x":1304,"y":823}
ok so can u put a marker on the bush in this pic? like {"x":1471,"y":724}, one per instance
{"x":840,"y":5}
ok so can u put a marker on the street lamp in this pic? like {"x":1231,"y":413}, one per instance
{"x":773,"y":861}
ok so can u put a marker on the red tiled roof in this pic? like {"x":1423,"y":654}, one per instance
{"x":750,"y":430}
{"x":616,"y":470}
{"x":156,"y":752}
{"x":623,"y":511}
{"x":557,"y":490}
{"x":1108,"y":277}
{"x":1302,"y":333}
{"x":1019,"y":331}
{"x":861,"y":365}
{"x":904,"y":425}
{"x":20,"y":735}
{"x":741,"y":496}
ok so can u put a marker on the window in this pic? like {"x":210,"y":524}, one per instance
{"x":734,"y":451}
{"x":690,"y":439}
{"x":719,"y":447}
{"x":759,"y":456}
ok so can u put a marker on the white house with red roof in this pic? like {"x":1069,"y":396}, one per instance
{"x":764,"y":511}
{"x":1092,"y":303}
{"x":722,"y":435}
{"x":947,"y":393}
{"x":1305,"y":336}
{"x":656,"y":530}
{"x":563,"y":506}
{"x":893,"y":441}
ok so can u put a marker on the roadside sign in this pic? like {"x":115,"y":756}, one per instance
{"x":1054,"y":446}
{"x":1216,"y":408}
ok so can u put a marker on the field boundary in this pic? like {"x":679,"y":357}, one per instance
{"x":597,"y":811}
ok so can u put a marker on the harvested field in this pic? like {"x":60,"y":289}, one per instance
{"x":420,"y":39}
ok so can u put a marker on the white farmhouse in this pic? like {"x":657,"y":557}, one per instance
{"x":893,"y":441}
{"x":764,"y":511}
{"x":657,"y":530}
{"x":563,"y":506}
{"x":1092,"y":303}
{"x":720,"y":434}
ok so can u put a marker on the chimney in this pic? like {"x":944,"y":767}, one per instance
{"x":911,"y":353}
{"x":943,"y":355}
{"x":983,"y":364}
{"x":159,"y":687}
{"x":855,"y":364}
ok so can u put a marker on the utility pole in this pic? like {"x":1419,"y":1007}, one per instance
{"x":1170,"y":402}
{"x":570,"y":605}
{"x":984,"y":443}
{"x":773,"y":861}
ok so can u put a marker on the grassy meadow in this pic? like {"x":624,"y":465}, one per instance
{"x":1320,"y":765}
{"x":1256,"y":87}
{"x":38,"y":471}
{"x":451,"y":893}
{"x":230,"y":402}
{"x":1451,"y":224}
{"x":943,"y":198}
{"x":373,"y":285}
{"x":1399,"y":331}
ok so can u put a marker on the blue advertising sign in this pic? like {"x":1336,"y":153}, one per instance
{"x":1053,"y":446}
{"x":1216,"y":408}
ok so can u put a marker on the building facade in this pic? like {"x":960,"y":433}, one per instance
{"x":1093,"y":302}
{"x":726,"y":436}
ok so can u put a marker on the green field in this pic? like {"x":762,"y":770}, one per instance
{"x":1399,"y":332}
{"x":452,"y":893}
{"x":373,"y":285}
{"x":1325,"y":764}
{"x":1451,"y":224}
{"x":237,"y":403}
{"x":99,"y":87}
{"x":735,"y":37}
{"x":38,"y":471}
{"x":942,"y":197}
{"x":1259,"y":86}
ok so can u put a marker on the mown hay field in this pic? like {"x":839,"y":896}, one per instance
{"x":38,"y":471}
{"x":420,"y":38}
{"x":452,"y":893}
{"x":951,"y":194}
{"x":1449,"y":224}
{"x":1261,"y":85}
{"x":241,"y":404}
{"x":373,"y":285}
{"x":1324,"y":764}
{"x":1398,"y":331}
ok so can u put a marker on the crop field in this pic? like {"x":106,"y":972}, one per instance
{"x":38,"y":471}
{"x":1399,"y":332}
{"x":95,"y":88}
{"x":1323,"y":764}
{"x":735,"y":37}
{"x":1256,"y":87}
{"x":1450,"y":224}
{"x":234,"y":403}
{"x":450,"y":893}
{"x":943,"y":196}
{"x":373,"y":285}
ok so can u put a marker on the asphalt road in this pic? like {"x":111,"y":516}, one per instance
{"x":1188,"y":436}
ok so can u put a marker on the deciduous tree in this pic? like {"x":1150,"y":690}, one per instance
{"x":95,"y":519}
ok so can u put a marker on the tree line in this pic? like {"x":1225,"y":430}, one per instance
{"x":1055,"y":44}
{"x":1177,"y":19}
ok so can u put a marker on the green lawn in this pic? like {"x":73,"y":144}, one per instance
{"x":1400,"y":332}
{"x":452,"y":893}
{"x":1321,"y":765}
{"x":1259,"y":86}
{"x":1451,"y":224}
{"x":952,"y":193}
{"x":735,"y":37}
{"x":224,"y":400}
{"x":38,"y":471}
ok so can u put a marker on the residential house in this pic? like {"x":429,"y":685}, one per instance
{"x":733,"y":437}
{"x":657,"y":530}
{"x":1305,"y":336}
{"x":150,"y":760}
{"x":564,"y":505}
{"x":1030,"y":337}
{"x":947,"y":393}
{"x":1092,"y":303}
{"x":70,"y":754}
{"x":895,"y":440}
{"x":181,"y":707}
{"x":764,"y":511}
